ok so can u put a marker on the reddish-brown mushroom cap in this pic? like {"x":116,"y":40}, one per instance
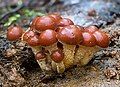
{"x":91,"y":29}
{"x":14,"y":32}
{"x":47,"y":37}
{"x":34,"y":21}
{"x":57,"y":56}
{"x":28,"y":35}
{"x":44,"y":23}
{"x":102,"y":39}
{"x":33,"y":41}
{"x":70,"y":35}
{"x":40,"y":55}
{"x":56,"y":16}
{"x":65,"y":22}
{"x":89,"y":39}
{"x":80,"y":27}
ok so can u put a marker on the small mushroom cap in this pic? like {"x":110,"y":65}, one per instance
{"x":56,"y":16}
{"x":70,"y":35}
{"x":14,"y":32}
{"x":34,"y":21}
{"x":91,"y":29}
{"x":28,"y":35}
{"x":57,"y":56}
{"x":47,"y":37}
{"x":33,"y":41}
{"x":102,"y":39}
{"x":44,"y":23}
{"x":89,"y":39}
{"x":80,"y":27}
{"x":40,"y":55}
{"x":65,"y":22}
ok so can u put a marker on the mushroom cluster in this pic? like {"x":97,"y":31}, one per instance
{"x":58,"y":43}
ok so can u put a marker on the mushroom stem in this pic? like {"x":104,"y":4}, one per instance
{"x":68,"y":51}
{"x":84,"y":54}
{"x":43,"y":65}
{"x":51,"y":47}
{"x":59,"y":67}
{"x":36,"y":49}
{"x":41,"y":62}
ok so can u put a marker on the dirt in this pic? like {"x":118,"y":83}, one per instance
{"x":18,"y":68}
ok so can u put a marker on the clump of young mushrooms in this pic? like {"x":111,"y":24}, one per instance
{"x":58,"y":43}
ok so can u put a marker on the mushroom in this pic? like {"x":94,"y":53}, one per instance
{"x":48,"y":39}
{"x":88,"y":39}
{"x":65,"y":22}
{"x":86,"y":49}
{"x":33,"y":41}
{"x":14,"y":32}
{"x":91,"y":29}
{"x":102,"y":39}
{"x":57,"y":56}
{"x":69,"y":36}
{"x":34,"y":21}
{"x":92,"y":37}
{"x":68,"y":44}
{"x":27,"y":35}
{"x":31,"y":38}
{"x":56,"y":16}
{"x":43,"y":23}
{"x":41,"y":59}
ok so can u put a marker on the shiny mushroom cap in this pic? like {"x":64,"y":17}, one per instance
{"x":56,"y":16}
{"x":40,"y":55}
{"x":91,"y":29}
{"x":44,"y":23}
{"x":34,"y":21}
{"x":88,"y":39}
{"x":47,"y":37}
{"x":33,"y":41}
{"x":70,"y":35}
{"x":14,"y":32}
{"x":28,"y":35}
{"x":65,"y":22}
{"x":102,"y":39}
{"x":57,"y":56}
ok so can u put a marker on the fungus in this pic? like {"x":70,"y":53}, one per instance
{"x":102,"y":39}
{"x":27,"y":35}
{"x":34,"y":21}
{"x":47,"y":38}
{"x":77,"y":44}
{"x":69,"y":36}
{"x":14,"y":32}
{"x":65,"y":22}
{"x":93,"y":40}
{"x":88,"y":39}
{"x":56,"y":16}
{"x":91,"y":29}
{"x":41,"y":59}
{"x":33,"y":41}
{"x":57,"y":56}
{"x":44,"y":23}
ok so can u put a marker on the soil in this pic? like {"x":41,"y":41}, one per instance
{"x":18,"y":68}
